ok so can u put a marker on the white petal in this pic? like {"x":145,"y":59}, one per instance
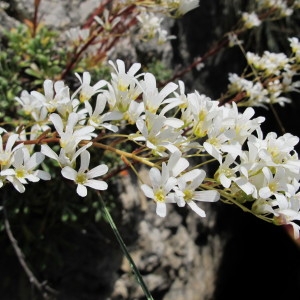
{"x":11,"y":141}
{"x":17,"y":184}
{"x":206,"y":196}
{"x":155,"y":177}
{"x":97,"y":184}
{"x":81,"y":190}
{"x":43,"y":175}
{"x":168,"y":89}
{"x":46,"y":150}
{"x":212,"y":150}
{"x":32,"y":178}
{"x":196,"y":209}
{"x":57,"y":122}
{"x":83,"y":132}
{"x":170,"y":184}
{"x":86,"y":78}
{"x":161,"y":209}
{"x":174,"y":122}
{"x":133,"y":69}
{"x":18,"y":158}
{"x":72,"y":121}
{"x":265,"y":192}
{"x":225,"y":181}
{"x":69,"y":173}
{"x":80,"y":150}
{"x":147,"y":190}
{"x":191,"y":175}
{"x":97,"y":171}
{"x":34,"y":160}
{"x":48,"y":89}
{"x":84,"y":160}
{"x":7,"y":172}
{"x":99,"y":84}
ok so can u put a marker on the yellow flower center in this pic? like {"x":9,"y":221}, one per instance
{"x":188,"y":195}
{"x":159,"y":196}
{"x":20,"y":173}
{"x":81,"y":178}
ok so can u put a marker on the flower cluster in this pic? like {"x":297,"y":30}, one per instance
{"x":270,"y":78}
{"x":169,"y":187}
{"x":277,"y":8}
{"x":175,"y":133}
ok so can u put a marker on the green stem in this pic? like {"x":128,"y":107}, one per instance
{"x":124,"y":249}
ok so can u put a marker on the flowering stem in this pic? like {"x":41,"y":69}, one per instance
{"x":123,"y":153}
{"x":124,"y":248}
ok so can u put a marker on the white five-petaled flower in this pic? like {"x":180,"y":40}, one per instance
{"x":122,"y":79}
{"x":153,"y":98}
{"x":23,"y":169}
{"x":86,"y":89}
{"x":69,"y":138}
{"x":162,"y":185}
{"x":158,"y":132}
{"x":55,"y":94}
{"x":187,"y":184}
{"x":105,"y":22}
{"x":250,"y":20}
{"x":6,"y":153}
{"x":64,"y":159}
{"x":85,"y":177}
{"x":97,"y":118}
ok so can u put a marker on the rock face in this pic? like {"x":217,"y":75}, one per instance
{"x":181,"y":257}
{"x":177,"y":255}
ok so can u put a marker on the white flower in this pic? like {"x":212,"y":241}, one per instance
{"x":149,"y":24}
{"x":276,"y":185}
{"x":226,"y":172}
{"x":163,"y":36}
{"x":85,"y":89}
{"x":84,"y":177}
{"x":6,"y":153}
{"x":158,"y":133}
{"x":187,"y":184}
{"x":134,"y":111}
{"x":233,"y":39}
{"x":64,"y":159}
{"x":78,"y":35}
{"x":153,"y":99}
{"x":69,"y":138}
{"x":98,"y":120}
{"x":29,"y":103}
{"x":122,"y":79}
{"x":160,"y":192}
{"x":106,"y":23}
{"x":287,"y":215}
{"x":177,"y":164}
{"x":23,"y":169}
{"x":250,"y":20}
{"x":243,"y":126}
{"x":219,"y":140}
{"x":56,"y":94}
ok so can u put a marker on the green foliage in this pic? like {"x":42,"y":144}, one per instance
{"x":25,"y":62}
{"x":159,"y":70}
